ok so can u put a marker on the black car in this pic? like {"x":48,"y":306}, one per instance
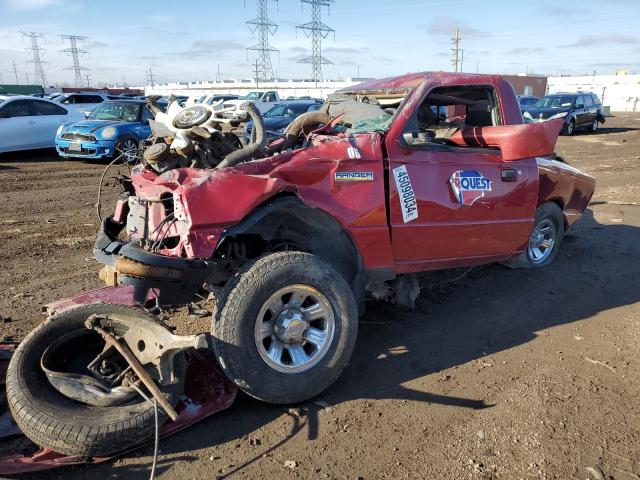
{"x":278,"y":118}
{"x":526,"y":101}
{"x":579,"y":110}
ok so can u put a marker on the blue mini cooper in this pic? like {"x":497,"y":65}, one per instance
{"x":114,"y":126}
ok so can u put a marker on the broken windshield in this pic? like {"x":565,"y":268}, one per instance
{"x":361,"y":115}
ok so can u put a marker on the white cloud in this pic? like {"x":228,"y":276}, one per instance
{"x":30,"y":4}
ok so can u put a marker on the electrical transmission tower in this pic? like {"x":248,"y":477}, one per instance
{"x":456,"y":61}
{"x":317,"y":31}
{"x":75,"y":53}
{"x":36,"y":52}
{"x":150,"y":78}
{"x":263,"y":27}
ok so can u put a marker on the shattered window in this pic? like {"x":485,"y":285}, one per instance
{"x":359,"y":116}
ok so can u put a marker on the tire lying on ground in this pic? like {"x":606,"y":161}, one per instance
{"x":66,"y":426}
{"x":285,"y":327}
{"x":544,"y":241}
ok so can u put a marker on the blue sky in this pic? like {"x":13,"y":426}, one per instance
{"x":188,"y":40}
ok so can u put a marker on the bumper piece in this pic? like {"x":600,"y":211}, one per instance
{"x":85,"y":149}
{"x":175,"y":280}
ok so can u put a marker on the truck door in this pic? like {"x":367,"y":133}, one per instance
{"x":453,"y":205}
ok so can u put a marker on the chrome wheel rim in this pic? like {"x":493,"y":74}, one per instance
{"x":594,"y":127}
{"x":570,"y":128}
{"x":542,"y":241}
{"x":129,"y":150}
{"x":294,"y":329}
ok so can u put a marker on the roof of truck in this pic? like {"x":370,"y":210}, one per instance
{"x":412,"y":80}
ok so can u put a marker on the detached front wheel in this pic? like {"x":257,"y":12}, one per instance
{"x":53,"y":359}
{"x":286,"y":327}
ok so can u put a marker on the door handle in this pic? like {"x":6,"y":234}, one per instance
{"x":509,"y":175}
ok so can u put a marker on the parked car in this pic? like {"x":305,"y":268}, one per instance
{"x":579,"y":110}
{"x":27,"y":123}
{"x":262,"y":100}
{"x":114,"y":126}
{"x":278,"y":118}
{"x":526,"y":101}
{"x":85,"y":101}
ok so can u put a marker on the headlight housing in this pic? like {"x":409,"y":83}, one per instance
{"x":558,"y":115}
{"x":108,"y":132}
{"x":60,"y":129}
{"x":527,"y":115}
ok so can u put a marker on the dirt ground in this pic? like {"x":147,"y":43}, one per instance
{"x":501,"y":374}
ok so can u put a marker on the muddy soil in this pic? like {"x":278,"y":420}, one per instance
{"x":499,"y":374}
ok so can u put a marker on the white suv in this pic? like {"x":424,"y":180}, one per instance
{"x":84,"y":101}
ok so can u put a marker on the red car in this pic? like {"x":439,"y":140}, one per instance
{"x":292,"y":241}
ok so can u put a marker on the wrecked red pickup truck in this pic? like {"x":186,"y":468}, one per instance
{"x":289,"y":239}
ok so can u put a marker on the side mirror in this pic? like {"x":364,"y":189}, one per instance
{"x":579,"y":105}
{"x":416,"y":139}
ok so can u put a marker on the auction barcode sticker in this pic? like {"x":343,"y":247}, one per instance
{"x":408,"y":201}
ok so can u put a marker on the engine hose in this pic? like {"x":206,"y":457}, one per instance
{"x":253,"y":148}
{"x":304,"y":124}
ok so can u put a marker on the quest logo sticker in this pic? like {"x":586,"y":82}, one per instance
{"x":354,"y":177}
{"x":408,"y":202}
{"x":468,"y":186}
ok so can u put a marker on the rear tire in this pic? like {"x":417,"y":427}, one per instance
{"x":593,"y":128}
{"x":256,"y":361}
{"x":548,"y":229}
{"x":66,"y":426}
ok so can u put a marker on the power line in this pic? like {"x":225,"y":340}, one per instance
{"x":317,"y":31}
{"x":36,"y":52}
{"x":263,"y":28}
{"x":75,"y":53}
{"x":15,"y":72}
{"x":257,"y":73}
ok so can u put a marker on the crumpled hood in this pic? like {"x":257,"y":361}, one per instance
{"x":212,"y":200}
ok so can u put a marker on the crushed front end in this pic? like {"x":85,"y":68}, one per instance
{"x":146,"y":243}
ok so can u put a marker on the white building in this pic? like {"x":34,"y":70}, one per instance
{"x":621,"y":93}
{"x":285,"y":88}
